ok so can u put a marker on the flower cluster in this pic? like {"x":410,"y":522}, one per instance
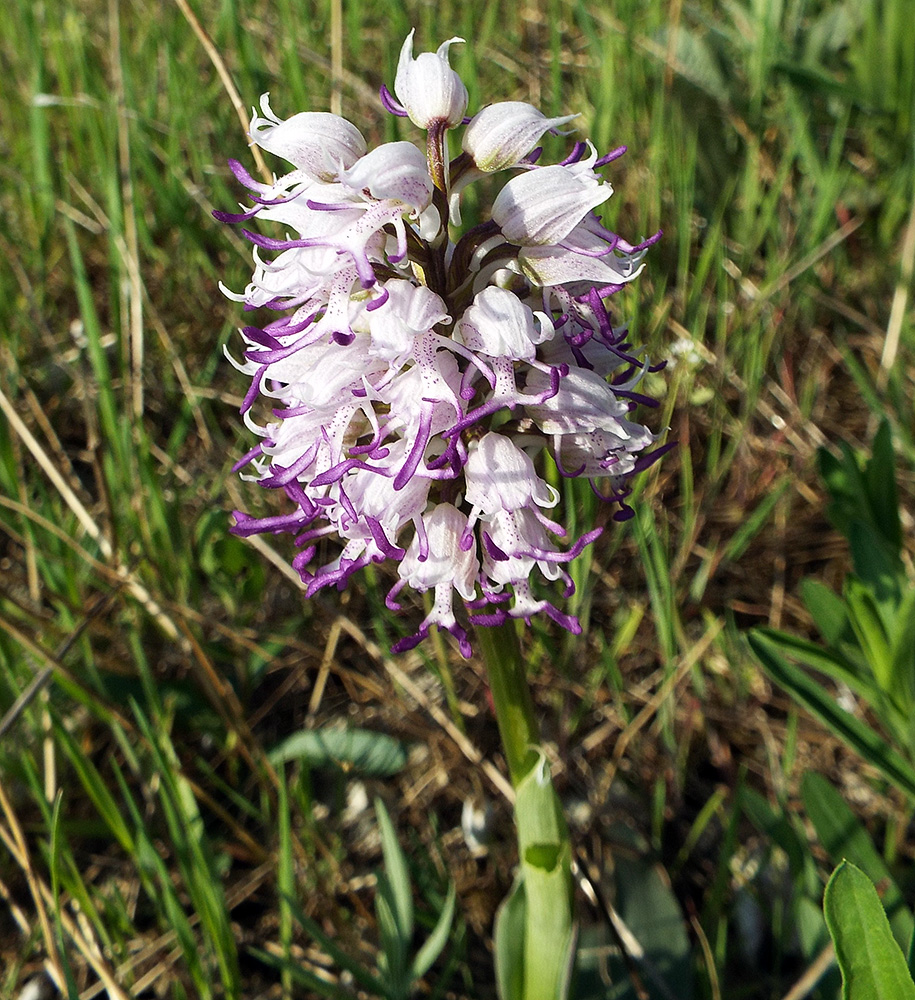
{"x":417,"y":370}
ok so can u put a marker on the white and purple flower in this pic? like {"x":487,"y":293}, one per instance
{"x":416,"y":372}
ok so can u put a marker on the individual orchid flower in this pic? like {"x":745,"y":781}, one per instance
{"x":499,"y":476}
{"x":407,"y":312}
{"x":416,"y":374}
{"x":436,"y":560}
{"x":393,"y":172}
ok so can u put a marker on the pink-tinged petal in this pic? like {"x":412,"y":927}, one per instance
{"x":408,"y":312}
{"x":584,"y":402}
{"x":446,"y":562}
{"x":395,"y":171}
{"x":549,"y":266}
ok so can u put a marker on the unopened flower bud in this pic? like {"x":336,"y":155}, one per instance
{"x":503,"y":134}
{"x":428,"y":88}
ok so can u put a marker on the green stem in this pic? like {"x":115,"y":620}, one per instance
{"x":511,"y":697}
{"x":536,"y":967}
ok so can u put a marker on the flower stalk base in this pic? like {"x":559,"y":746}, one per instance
{"x":535,"y":932}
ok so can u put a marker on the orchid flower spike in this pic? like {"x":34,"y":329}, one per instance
{"x":418,"y":381}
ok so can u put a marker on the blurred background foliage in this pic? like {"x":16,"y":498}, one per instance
{"x":189,"y":749}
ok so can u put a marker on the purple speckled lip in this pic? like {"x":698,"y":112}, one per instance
{"x":418,"y":370}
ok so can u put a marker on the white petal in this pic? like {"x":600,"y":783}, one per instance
{"x":427,"y":86}
{"x":500,"y":476}
{"x":315,"y":141}
{"x":503,"y":134}
{"x":498,"y":324}
{"x":394,"y":171}
{"x":542,"y":206}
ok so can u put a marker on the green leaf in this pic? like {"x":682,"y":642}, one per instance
{"x":845,"y":483}
{"x":546,"y":858}
{"x":868,"y":625}
{"x":508,"y":943}
{"x":96,"y":788}
{"x":867,"y":496}
{"x":395,"y":866}
{"x":369,"y":753}
{"x":843,"y":837}
{"x":872,"y":963}
{"x":394,"y":909}
{"x":392,"y":962}
{"x":902,"y":653}
{"x":650,"y":910}
{"x":826,"y":608}
{"x":775,"y":826}
{"x":436,"y":941}
{"x":697,"y":63}
{"x":880,"y":479}
{"x":830,"y":662}
{"x":879,"y":568}
{"x":856,"y":734}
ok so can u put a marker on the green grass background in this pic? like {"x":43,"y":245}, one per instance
{"x":148,"y":842}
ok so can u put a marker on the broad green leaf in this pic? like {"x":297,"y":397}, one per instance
{"x":545,"y":855}
{"x":867,"y":496}
{"x":843,"y":837}
{"x":369,"y":753}
{"x":650,"y":910}
{"x":856,"y":734}
{"x":877,"y":567}
{"x":845,"y":483}
{"x":872,"y":963}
